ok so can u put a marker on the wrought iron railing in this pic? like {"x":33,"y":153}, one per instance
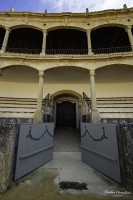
{"x":87,"y":100}
{"x":67,"y":51}
{"x":23,"y":50}
{"x":46,"y":100}
{"x":112,"y":50}
{"x":71,"y":51}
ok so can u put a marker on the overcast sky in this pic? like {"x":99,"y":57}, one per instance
{"x":62,"y":5}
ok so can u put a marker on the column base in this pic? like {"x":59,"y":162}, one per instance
{"x":2,"y":51}
{"x":95,"y":116}
{"x":90,"y":53}
{"x":42,"y":54}
{"x":38,"y":116}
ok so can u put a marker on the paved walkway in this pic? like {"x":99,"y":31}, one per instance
{"x":66,"y":165}
{"x":71,"y":168}
{"x":67,"y":140}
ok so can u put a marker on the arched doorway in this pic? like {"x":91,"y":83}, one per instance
{"x":67,"y":117}
{"x":66,"y":114}
{"x":67,"y":105}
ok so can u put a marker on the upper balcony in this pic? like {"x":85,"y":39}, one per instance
{"x":67,"y":41}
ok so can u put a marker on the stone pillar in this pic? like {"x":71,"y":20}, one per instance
{"x":130,"y":35}
{"x":44,"y":42}
{"x":5,"y":41}
{"x":38,"y":115}
{"x":89,"y":42}
{"x":95,"y":117}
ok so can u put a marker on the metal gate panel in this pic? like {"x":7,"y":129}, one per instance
{"x":35,"y":147}
{"x":100,"y":149}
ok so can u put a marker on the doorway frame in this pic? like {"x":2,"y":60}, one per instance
{"x":68,"y":98}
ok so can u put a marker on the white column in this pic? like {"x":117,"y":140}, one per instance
{"x":130,"y":35}
{"x":95,"y":117}
{"x":5,"y":41}
{"x":38,"y":115}
{"x":44,"y":42}
{"x":88,"y":33}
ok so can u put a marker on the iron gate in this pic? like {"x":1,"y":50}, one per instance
{"x":35,"y":147}
{"x":100,"y":149}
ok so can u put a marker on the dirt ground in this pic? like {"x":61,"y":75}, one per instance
{"x":40,"y":185}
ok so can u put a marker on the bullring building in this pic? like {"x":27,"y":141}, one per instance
{"x":66,"y":67}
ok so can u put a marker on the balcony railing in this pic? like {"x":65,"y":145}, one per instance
{"x":23,"y":50}
{"x":112,"y":50}
{"x":67,"y":51}
{"x":70,"y":51}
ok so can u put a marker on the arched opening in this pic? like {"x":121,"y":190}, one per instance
{"x":67,"y":118}
{"x":66,"y":41}
{"x":25,"y":40}
{"x":115,"y":97}
{"x":66,"y":111}
{"x":2,"y":34}
{"x":66,"y":114}
{"x":110,"y":40}
{"x":18,"y":89}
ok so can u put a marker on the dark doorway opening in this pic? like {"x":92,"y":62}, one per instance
{"x":66,"y":114}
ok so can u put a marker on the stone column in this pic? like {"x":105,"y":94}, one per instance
{"x":38,"y":115}
{"x":95,"y":117}
{"x":5,"y":41}
{"x":88,"y":33}
{"x":44,"y":42}
{"x":130,"y":35}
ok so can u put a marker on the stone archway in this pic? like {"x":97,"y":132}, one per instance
{"x":66,"y":108}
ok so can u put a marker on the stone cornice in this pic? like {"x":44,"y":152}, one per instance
{"x":67,"y":14}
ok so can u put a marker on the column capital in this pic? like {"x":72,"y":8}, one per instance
{"x":128,"y":27}
{"x":88,"y":31}
{"x":44,"y":31}
{"x":41,"y":73}
{"x":8,"y":29}
{"x":92,"y":73}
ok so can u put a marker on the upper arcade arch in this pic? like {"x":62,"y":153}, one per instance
{"x":79,"y":28}
{"x":66,"y":40}
{"x":17,"y":26}
{"x":25,"y":40}
{"x":110,"y":39}
{"x":105,"y":24}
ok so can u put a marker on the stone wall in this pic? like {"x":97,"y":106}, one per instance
{"x":8,"y":133}
{"x":15,"y":120}
{"x":125,"y":144}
